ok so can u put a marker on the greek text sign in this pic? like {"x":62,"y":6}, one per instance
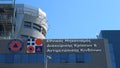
{"x":74,"y":45}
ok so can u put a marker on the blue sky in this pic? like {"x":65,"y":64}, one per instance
{"x":78,"y":18}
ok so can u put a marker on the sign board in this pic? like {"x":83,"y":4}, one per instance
{"x":52,"y":46}
{"x":74,"y":45}
{"x":94,"y":49}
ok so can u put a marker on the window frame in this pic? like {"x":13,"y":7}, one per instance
{"x":37,"y":27}
{"x":27,"y":24}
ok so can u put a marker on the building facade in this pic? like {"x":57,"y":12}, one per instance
{"x":28,"y":22}
{"x":21,"y":21}
{"x":113,"y":37}
{"x":64,"y":53}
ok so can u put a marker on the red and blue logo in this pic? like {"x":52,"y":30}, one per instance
{"x":15,"y":45}
{"x":34,"y":46}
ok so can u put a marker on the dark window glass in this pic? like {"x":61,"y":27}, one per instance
{"x":112,"y":55}
{"x":36,"y":27}
{"x":24,"y":36}
{"x":39,"y":58}
{"x":64,"y":58}
{"x":80,"y":58}
{"x":17,"y":58}
{"x":9,"y":58}
{"x":55,"y":58}
{"x":71,"y":58}
{"x":6,"y":58}
{"x":24,"y":58}
{"x":21,"y":58}
{"x":2,"y":58}
{"x":43,"y":31}
{"x":83,"y":58}
{"x":32,"y":37}
{"x":27,"y":24}
{"x":32,"y":58}
{"x":88,"y":57}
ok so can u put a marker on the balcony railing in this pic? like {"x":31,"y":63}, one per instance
{"x":5,"y":34}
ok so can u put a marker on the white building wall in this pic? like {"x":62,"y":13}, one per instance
{"x":33,"y":15}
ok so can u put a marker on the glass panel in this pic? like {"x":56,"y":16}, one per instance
{"x":32,"y":58}
{"x":40,"y":58}
{"x":36,"y":27}
{"x":80,"y":58}
{"x":2,"y":59}
{"x":27,"y":24}
{"x":83,"y":58}
{"x":64,"y":58}
{"x":24,"y":58}
{"x":32,"y":37}
{"x":43,"y":31}
{"x":9,"y":58}
{"x":24,"y":36}
{"x":72,"y":58}
{"x":88,"y":58}
{"x":17,"y":58}
{"x":55,"y":58}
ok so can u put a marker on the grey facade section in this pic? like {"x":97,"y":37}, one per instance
{"x":27,"y":65}
{"x":99,"y":59}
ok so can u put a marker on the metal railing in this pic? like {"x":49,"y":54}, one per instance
{"x":5,"y":17}
{"x":5,"y":34}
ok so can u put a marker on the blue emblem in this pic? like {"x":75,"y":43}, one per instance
{"x":15,"y":45}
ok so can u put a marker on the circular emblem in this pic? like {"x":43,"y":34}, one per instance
{"x":15,"y":45}
{"x":38,"y":41}
{"x":30,"y":49}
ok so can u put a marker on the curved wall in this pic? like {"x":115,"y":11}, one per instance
{"x":31,"y":22}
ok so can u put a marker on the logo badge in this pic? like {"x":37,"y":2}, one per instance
{"x":34,"y":46}
{"x":15,"y":45}
{"x":30,"y":49}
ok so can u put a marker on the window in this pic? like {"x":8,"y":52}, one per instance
{"x":1,"y":28}
{"x":40,"y":58}
{"x":17,"y":58}
{"x":88,"y":57}
{"x":24,"y":58}
{"x":64,"y":58}
{"x":21,"y":58}
{"x":24,"y":36}
{"x":9,"y":58}
{"x":80,"y":58}
{"x":32,"y":37}
{"x":6,"y":58}
{"x":43,"y":31}
{"x":36,"y":27}
{"x":83,"y":58}
{"x":55,"y":58}
{"x":27,"y":24}
{"x":2,"y":58}
{"x":32,"y":58}
{"x":72,"y":58}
